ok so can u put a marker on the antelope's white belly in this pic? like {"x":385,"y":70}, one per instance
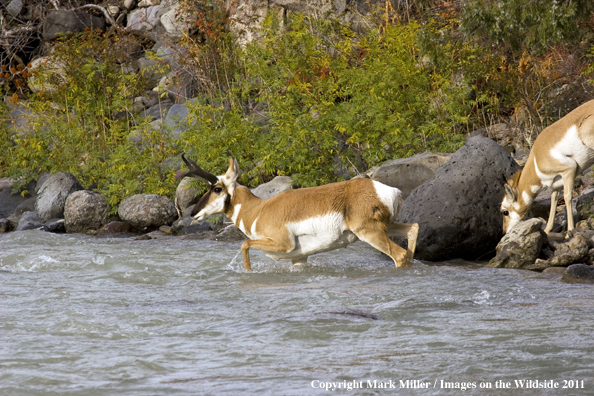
{"x":316,"y":235}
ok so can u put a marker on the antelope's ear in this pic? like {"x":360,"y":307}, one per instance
{"x":510,"y":192}
{"x":513,"y":182}
{"x":233,"y":171}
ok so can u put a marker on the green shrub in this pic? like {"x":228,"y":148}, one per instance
{"x":83,"y":127}
{"x":532,"y":25}
{"x":331,"y":99}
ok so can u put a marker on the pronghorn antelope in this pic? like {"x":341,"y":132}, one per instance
{"x":561,"y":151}
{"x":299,"y":223}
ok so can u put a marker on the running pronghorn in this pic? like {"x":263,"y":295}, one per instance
{"x":561,"y":151}
{"x":298,"y":223}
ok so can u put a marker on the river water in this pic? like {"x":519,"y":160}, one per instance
{"x":83,"y":315}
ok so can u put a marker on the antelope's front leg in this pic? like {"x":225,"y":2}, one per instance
{"x":283,"y":246}
{"x":411,"y":232}
{"x":552,"y":211}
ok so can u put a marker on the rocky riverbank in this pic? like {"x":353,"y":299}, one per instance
{"x":455,"y":198}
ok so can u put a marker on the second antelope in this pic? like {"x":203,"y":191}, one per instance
{"x":299,"y":223}
{"x":561,"y":151}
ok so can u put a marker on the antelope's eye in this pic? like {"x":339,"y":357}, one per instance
{"x":218,"y":190}
{"x":505,"y":213}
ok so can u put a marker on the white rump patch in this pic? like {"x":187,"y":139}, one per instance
{"x":389,"y":196}
{"x":571,"y":151}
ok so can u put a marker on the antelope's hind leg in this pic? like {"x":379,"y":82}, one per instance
{"x":411,"y":232}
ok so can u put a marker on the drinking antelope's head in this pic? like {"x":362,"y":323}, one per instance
{"x":221,"y":188}
{"x":512,"y":210}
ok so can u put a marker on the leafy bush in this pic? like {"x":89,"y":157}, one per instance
{"x":309,"y":98}
{"x":83,"y":126}
{"x":533,"y":25}
{"x":331,"y":99}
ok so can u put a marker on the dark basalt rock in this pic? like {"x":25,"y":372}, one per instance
{"x":578,"y":273}
{"x":458,"y":210}
{"x":60,"y":23}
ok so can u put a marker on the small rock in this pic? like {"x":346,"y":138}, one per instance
{"x":165,"y":229}
{"x":230,"y":234}
{"x":521,"y":246}
{"x":128,"y":4}
{"x":29,"y":221}
{"x":148,"y":3}
{"x":5,"y":226}
{"x":156,"y":234}
{"x":188,"y":225}
{"x":15,"y":7}
{"x":573,"y":251}
{"x":116,"y":227}
{"x":55,"y":225}
{"x":195,"y":228}
{"x":578,"y":273}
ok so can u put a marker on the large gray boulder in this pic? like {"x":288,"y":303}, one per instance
{"x":458,"y":210}
{"x":520,"y":247}
{"x":186,"y":194}
{"x":273,"y":187}
{"x":406,"y":174}
{"x":85,"y":211}
{"x":60,"y":23}
{"x":51,"y":197}
{"x":146,"y":211}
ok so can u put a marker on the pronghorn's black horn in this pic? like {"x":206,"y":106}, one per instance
{"x":198,"y":172}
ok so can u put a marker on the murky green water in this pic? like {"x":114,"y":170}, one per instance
{"x":82,"y":315}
